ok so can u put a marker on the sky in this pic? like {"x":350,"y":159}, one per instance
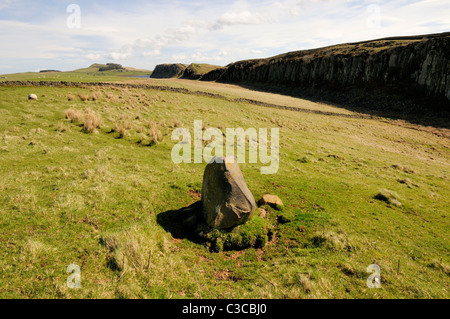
{"x":67,"y":35}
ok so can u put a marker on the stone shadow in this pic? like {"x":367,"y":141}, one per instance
{"x":183,"y":223}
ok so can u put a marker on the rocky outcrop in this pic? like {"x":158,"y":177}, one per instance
{"x":412,"y":66}
{"x":193,"y":71}
{"x":166,"y":71}
{"x":227,"y":201}
{"x":213,"y":75}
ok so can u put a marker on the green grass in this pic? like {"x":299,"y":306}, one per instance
{"x":67,"y":196}
{"x":89,"y":74}
{"x":203,"y":68}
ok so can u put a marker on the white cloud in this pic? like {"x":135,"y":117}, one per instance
{"x":241,"y":18}
{"x":6,"y":3}
{"x":143,"y":34}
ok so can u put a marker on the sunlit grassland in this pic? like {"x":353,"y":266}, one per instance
{"x":67,"y":196}
{"x":82,"y":75}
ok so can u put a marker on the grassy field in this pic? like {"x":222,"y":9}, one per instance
{"x":74,"y":192}
{"x":89,"y":74}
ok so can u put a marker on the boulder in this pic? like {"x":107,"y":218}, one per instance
{"x":271,"y":200}
{"x":32,"y":97}
{"x":227,"y":201}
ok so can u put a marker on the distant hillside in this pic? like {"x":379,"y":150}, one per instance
{"x":48,"y":71}
{"x":96,"y":67}
{"x":194,"y":71}
{"x":410,"y":67}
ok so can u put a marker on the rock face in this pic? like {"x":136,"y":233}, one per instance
{"x":405,"y":65}
{"x":166,"y":71}
{"x":32,"y":97}
{"x":227,"y":201}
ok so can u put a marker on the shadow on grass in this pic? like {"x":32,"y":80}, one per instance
{"x":409,"y":103}
{"x":182,"y":223}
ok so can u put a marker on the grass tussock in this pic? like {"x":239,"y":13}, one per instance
{"x":121,"y":127}
{"x":92,"y":121}
{"x":389,"y":197}
{"x":83,"y":97}
{"x":332,"y":241}
{"x":439,"y":265}
{"x":32,"y":250}
{"x":95,"y":96}
{"x":176,"y":123}
{"x":75,"y":116}
{"x":155,"y":135}
{"x":305,"y":283}
{"x":61,"y":127}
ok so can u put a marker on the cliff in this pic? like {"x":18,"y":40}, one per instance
{"x":192,"y":72}
{"x":165,"y":71}
{"x":406,"y":67}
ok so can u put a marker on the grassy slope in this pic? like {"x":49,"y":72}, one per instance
{"x":354,"y":48}
{"x":92,"y":199}
{"x":234,"y":91}
{"x":89,"y":74}
{"x":202,"y":68}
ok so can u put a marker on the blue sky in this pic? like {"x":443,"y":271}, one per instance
{"x":37,"y":35}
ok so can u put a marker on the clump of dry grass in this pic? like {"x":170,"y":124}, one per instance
{"x":333,"y":241}
{"x":32,"y":250}
{"x":110,"y":95}
{"x":140,"y":129}
{"x":439,"y":265}
{"x":61,"y":127}
{"x":74,"y":115}
{"x":305,"y":282}
{"x":92,"y":121}
{"x":83,"y":97}
{"x":152,"y":124}
{"x":154,"y":132}
{"x":388,"y":196}
{"x":176,"y":123}
{"x":121,"y":127}
{"x":156,"y":135}
{"x":95,"y":96}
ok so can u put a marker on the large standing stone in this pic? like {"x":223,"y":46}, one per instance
{"x":227,"y":201}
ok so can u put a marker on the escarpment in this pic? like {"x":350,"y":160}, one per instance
{"x":412,"y":67}
{"x":193,"y":71}
{"x":166,"y":71}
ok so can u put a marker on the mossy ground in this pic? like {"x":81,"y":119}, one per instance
{"x":253,"y":234}
{"x":99,"y":200}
